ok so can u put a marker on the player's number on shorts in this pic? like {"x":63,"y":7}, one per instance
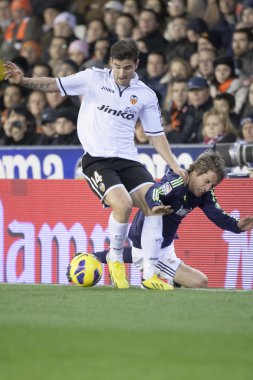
{"x":97,"y":179}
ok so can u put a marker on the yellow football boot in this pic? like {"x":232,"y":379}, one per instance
{"x":118,"y":274}
{"x":156,"y":283}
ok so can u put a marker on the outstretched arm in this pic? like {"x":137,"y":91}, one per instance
{"x":15,"y":75}
{"x":245,"y":224}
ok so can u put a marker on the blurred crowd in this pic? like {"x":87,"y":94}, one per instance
{"x":195,"y":54}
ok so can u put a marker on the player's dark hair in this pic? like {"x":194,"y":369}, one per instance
{"x":125,"y":49}
{"x":209,"y":160}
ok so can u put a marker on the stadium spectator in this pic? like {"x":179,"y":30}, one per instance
{"x":226,"y":103}
{"x":204,"y":174}
{"x":23,"y":27}
{"x":96,"y":29}
{"x":50,"y":10}
{"x":41,"y":69}
{"x":217,"y":128}
{"x":112,"y":10}
{"x":205,"y":68}
{"x":247,"y":128}
{"x":209,"y":40}
{"x":47,"y":127}
{"x":226,"y":80}
{"x":149,"y":27}
{"x":13,"y":96}
{"x":32,"y":52}
{"x":22,"y":126}
{"x":133,"y":7}
{"x":155,"y":70}
{"x":194,"y":28}
{"x":181,"y":122}
{"x":179,"y":45}
{"x":36,"y":103}
{"x":78,"y":52}
{"x":65,"y":128}
{"x":200,"y":101}
{"x":247,"y":15}
{"x":58,"y":51}
{"x":248,"y":105}
{"x":176,"y":8}
{"x":124,"y":26}
{"x":5,"y":17}
{"x":242,"y":51}
{"x":64,"y":26}
{"x":101,"y":54}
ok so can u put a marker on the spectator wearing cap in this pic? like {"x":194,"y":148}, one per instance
{"x":65,"y":126}
{"x":247,"y":129}
{"x":225,"y":80}
{"x":64,"y":26}
{"x":149,"y":27}
{"x":78,"y":52}
{"x":200,"y":101}
{"x":47,"y":126}
{"x":242,"y":53}
{"x":24,"y":27}
{"x":112,"y":10}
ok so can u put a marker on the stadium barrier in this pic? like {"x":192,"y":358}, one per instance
{"x":43,"y":223}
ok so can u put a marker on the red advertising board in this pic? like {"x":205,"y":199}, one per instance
{"x":42,"y":224}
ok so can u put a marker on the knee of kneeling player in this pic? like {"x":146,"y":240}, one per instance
{"x":202,"y":281}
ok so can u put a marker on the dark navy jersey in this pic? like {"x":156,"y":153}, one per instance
{"x":172,"y":191}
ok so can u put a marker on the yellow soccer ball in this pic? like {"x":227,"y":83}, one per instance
{"x":85,"y":269}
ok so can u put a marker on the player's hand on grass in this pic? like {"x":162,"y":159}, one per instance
{"x":162,"y":210}
{"x":245,"y":224}
{"x":13,"y":73}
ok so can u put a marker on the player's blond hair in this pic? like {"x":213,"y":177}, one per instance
{"x":209,"y":160}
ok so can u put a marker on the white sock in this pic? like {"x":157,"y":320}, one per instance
{"x":151,"y":241}
{"x":118,"y":232}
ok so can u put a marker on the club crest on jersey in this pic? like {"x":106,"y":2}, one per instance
{"x":133,"y":99}
{"x":165,"y":188}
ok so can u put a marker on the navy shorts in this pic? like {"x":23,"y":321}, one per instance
{"x":102,"y":174}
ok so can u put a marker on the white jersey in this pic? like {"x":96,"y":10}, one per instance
{"x":107,"y":116}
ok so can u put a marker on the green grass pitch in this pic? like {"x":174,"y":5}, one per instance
{"x":72,"y":333}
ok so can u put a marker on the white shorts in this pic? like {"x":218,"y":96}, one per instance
{"x":167,"y":264}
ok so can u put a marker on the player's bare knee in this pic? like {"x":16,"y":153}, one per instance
{"x":201,"y":281}
{"x":123,"y":209}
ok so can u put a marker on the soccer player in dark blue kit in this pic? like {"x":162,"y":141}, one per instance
{"x":204,"y":174}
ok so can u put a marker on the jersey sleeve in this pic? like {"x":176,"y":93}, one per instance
{"x":150,"y":117}
{"x":219,"y":217}
{"x":75,"y":84}
{"x":161,"y":192}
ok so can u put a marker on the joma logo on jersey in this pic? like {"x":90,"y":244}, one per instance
{"x":123,"y":114}
{"x":107,"y":89}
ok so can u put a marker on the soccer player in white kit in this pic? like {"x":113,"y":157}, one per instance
{"x":113,"y":99}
